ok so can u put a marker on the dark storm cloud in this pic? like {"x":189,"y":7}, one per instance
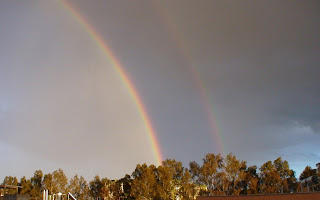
{"x":258,"y":60}
{"x":260,"y":63}
{"x":257,"y":54}
{"x":271,"y":62}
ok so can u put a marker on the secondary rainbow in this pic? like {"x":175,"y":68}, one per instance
{"x":196,"y":76}
{"x":124,"y":76}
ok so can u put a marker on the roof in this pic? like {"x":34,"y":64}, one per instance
{"x":10,"y":186}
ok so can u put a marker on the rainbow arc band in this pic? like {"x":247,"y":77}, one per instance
{"x":124,"y":77}
{"x":185,"y":51}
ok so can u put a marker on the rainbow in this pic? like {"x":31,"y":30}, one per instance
{"x":123,"y":75}
{"x":177,"y":38}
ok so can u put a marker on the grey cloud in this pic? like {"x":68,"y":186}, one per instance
{"x":258,"y":62}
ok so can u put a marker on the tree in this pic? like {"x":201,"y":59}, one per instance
{"x":116,"y":189}
{"x":48,"y":183}
{"x":144,"y":182}
{"x":26,"y":186}
{"x":175,"y":168}
{"x":235,"y":172}
{"x":36,"y":182}
{"x":74,"y":186}
{"x":55,"y":182}
{"x":188,"y":189}
{"x":287,"y":176}
{"x":270,"y":180}
{"x":95,"y":187}
{"x":181,"y":185}
{"x":60,"y":181}
{"x":125,"y":186}
{"x":166,"y":184}
{"x":209,"y":174}
{"x":84,"y":189}
{"x":250,"y":181}
{"x":307,"y":172}
{"x":10,"y":180}
{"x":102,"y":188}
{"x":195,"y":172}
{"x":78,"y":187}
{"x":109,"y":189}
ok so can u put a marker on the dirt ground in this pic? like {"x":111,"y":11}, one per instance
{"x":294,"y":196}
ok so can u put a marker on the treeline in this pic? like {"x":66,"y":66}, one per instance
{"x":214,"y":176}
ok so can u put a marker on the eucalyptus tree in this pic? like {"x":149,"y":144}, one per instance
{"x":144,"y":184}
{"x":95,"y":187}
{"x":37,"y":183}
{"x":277,"y":177}
{"x":287,"y":175}
{"x":26,"y":186}
{"x":60,"y":181}
{"x":125,"y":186}
{"x":55,"y":182}
{"x":188,"y":190}
{"x":250,"y":183}
{"x":10,"y":180}
{"x":166,"y":186}
{"x":78,"y":187}
{"x":270,"y":180}
{"x":209,"y":174}
{"x":308,"y":171}
{"x":48,"y":183}
{"x":234,"y":174}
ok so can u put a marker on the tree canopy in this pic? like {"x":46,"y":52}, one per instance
{"x":216,"y":175}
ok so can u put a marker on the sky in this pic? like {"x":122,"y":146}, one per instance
{"x":237,"y":77}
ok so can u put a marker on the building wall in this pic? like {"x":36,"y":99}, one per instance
{"x":16,"y":197}
{"x":294,"y":196}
